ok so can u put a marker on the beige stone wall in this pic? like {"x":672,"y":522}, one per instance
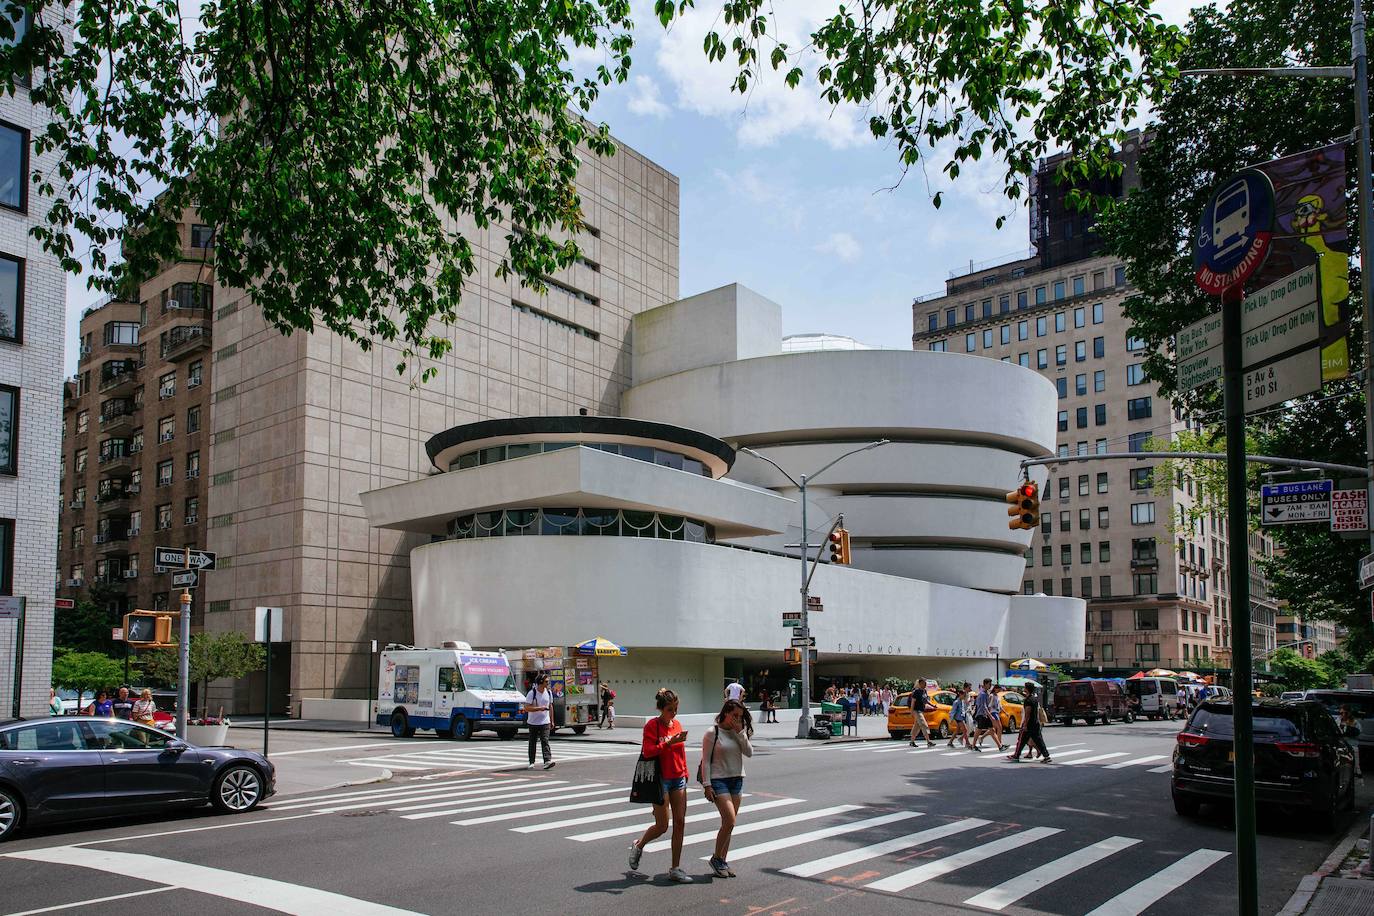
{"x":305,"y":423}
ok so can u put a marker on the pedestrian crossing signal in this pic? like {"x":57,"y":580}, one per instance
{"x":1024,"y":507}
{"x":792,"y":656}
{"x":148,"y":629}
{"x":839,"y":546}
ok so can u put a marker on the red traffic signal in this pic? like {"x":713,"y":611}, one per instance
{"x":839,"y":546}
{"x":1024,"y":507}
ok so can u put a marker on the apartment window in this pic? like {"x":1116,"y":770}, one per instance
{"x":1104,"y":587}
{"x":78,"y":535}
{"x":135,"y":442}
{"x":1006,"y":333}
{"x":1100,"y":380}
{"x":1030,"y":556}
{"x":970,"y":342}
{"x":1137,"y":441}
{"x":1081,"y":418}
{"x":14,"y":167}
{"x":1142,"y":478}
{"x":1143,"y":550}
{"x":1078,"y":286}
{"x":1004,"y":304}
{"x":1023,"y":359}
{"x":1028,"y":587}
{"x":1108,"y":652}
{"x":167,"y":385}
{"x":1063,"y":450}
{"x":1099,"y":347}
{"x":1039,"y":295}
{"x":1080,"y":351}
{"x":1104,"y":551}
{"x":968,"y":312}
{"x":1135,"y":344}
{"x":1041,"y":327}
{"x":1059,"y":290}
{"x":1104,"y":620}
{"x":1135,"y":374}
{"x":202,"y":236}
{"x":939,"y":346}
{"x":1042,"y":359}
{"x":131,"y":566}
{"x":159,"y":601}
{"x":1022,"y":299}
{"x":1085,"y":519}
{"x":951,"y":317}
{"x":987,"y":308}
{"x":1085,"y":552}
{"x":1046,"y":522}
{"x":1085,"y":587}
{"x":9,"y":431}
{"x":1065,"y":554}
{"x":1097,"y":313}
{"x":1064,"y":521}
{"x":1066,"y":587}
{"x":164,"y":473}
{"x":1080,"y":317}
{"x":135,"y":480}
{"x":166,"y":429}
{"x":1119,"y":276}
{"x":192,"y":420}
{"x":79,"y":572}
{"x":192,"y":510}
{"x":121,"y":333}
{"x":1103,"y":517}
{"x":1022,"y":330}
{"x":1062,"y":386}
{"x":1047,"y":586}
{"x":164,"y":516}
{"x":1144,"y":583}
{"x":934,"y":321}
{"x":192,"y":465}
{"x":188,"y":296}
{"x":1142,"y":513}
{"x":987,"y":339}
{"x":1061,"y":354}
{"x":1100,"y":414}
{"x":12,"y":298}
{"x":1059,"y":321}
{"x":83,"y":419}
{"x":80,"y":456}
{"x":135,"y":522}
{"x":1046,"y":552}
{"x":1063,"y":420}
{"x":1082,"y":448}
{"x":195,"y":374}
{"x":1138,"y":409}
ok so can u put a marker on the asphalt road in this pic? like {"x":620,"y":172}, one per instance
{"x":873,"y":828}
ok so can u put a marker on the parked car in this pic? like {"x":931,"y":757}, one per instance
{"x":71,"y":703}
{"x":1013,"y":715}
{"x":900,"y":719}
{"x":1157,"y":695}
{"x":1361,"y":703}
{"x":1091,"y":700}
{"x":1301,"y":760}
{"x":78,"y":767}
{"x":1292,"y":695}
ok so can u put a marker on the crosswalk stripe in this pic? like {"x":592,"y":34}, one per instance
{"x":754,"y":826}
{"x":759,"y":849}
{"x":369,"y":793}
{"x":1008,"y":892}
{"x":598,"y":818}
{"x":465,"y":806}
{"x":921,"y":750}
{"x":438,"y":797}
{"x":857,"y":747}
{"x":1055,"y":747}
{"x":1167,"y":768}
{"x":1096,"y":759}
{"x":557,"y":809}
{"x":1138,"y":897}
{"x":925,"y":872}
{"x":1086,"y":750}
{"x":553,"y":786}
{"x":640,"y":827}
{"x":864,"y":853}
{"x":410,"y":767}
{"x":889,"y":750}
{"x":1139,"y":761}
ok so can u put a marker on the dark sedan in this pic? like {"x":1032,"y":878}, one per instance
{"x":75,"y":768}
{"x":1301,"y":760}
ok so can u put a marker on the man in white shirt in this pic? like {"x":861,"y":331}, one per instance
{"x":735,"y":691}
{"x":538,"y":707}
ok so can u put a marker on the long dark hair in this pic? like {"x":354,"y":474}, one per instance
{"x":748,"y":719}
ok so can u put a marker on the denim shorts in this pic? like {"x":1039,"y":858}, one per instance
{"x":730,"y":785}
{"x":672,"y":785}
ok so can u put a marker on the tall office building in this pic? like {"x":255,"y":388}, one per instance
{"x":1110,"y":532}
{"x":33,"y":303}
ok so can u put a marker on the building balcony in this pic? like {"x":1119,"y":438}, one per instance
{"x":112,"y":543}
{"x":115,"y":498}
{"x":184,"y":340}
{"x":118,"y":462}
{"x":118,"y":415}
{"x":119,"y":376}
{"x":112,"y":579}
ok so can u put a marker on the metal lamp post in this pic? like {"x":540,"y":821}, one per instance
{"x":804,"y":722}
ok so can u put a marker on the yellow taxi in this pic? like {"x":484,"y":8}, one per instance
{"x":900,"y":721}
{"x":1013,"y":715}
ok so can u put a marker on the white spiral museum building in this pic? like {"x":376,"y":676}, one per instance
{"x":653,"y":529}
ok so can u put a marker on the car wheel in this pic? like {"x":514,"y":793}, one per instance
{"x":11,"y":813}
{"x":896,"y":736}
{"x":943,"y":730}
{"x":506,"y":734}
{"x":579,"y":729}
{"x":1130,"y":717}
{"x":237,"y":790}
{"x":1011,"y":724}
{"x":1068,"y":720}
{"x":462,"y":728}
{"x":400,"y":725}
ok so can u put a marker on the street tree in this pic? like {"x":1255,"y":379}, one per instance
{"x":1205,"y":129}
{"x":87,"y":626}
{"x":348,"y":153}
{"x":1298,"y":672}
{"x":213,"y":656}
{"x":86,"y":672}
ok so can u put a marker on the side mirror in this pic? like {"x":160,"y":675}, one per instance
{"x":177,"y":747}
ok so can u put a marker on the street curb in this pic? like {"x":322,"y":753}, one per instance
{"x":1307,"y":887}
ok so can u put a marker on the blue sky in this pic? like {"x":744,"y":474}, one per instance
{"x":785,"y":195}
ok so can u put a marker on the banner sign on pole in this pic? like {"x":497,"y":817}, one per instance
{"x":1367,"y":571}
{"x":1349,"y":511}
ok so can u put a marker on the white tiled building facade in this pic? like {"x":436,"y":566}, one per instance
{"x":33,"y":305}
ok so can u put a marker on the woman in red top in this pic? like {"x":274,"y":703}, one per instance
{"x":665,"y":738}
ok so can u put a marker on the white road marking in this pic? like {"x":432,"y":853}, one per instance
{"x":521,"y":798}
{"x":1008,"y":892}
{"x":93,"y":900}
{"x":754,"y":826}
{"x":354,"y":804}
{"x":598,"y":818}
{"x":278,"y":804}
{"x":864,"y":853}
{"x":929,"y":870}
{"x":237,"y":822}
{"x":759,"y":849}
{"x":347,"y":747}
{"x":1138,"y":897}
{"x":1086,"y":750}
{"x":1139,"y":761}
{"x":553,"y":786}
{"x":1167,"y":768}
{"x":267,"y":893}
{"x":557,"y":809}
{"x":639,"y":828}
{"x":1095,"y":759}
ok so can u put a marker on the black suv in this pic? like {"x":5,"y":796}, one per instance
{"x":1301,"y":760}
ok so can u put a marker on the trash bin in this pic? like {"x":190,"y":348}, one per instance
{"x":794,"y":694}
{"x":837,"y":727}
{"x":835,"y":709}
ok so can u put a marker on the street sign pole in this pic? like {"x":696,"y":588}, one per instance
{"x":19,"y":658}
{"x":1238,"y":545}
{"x":267,"y":693}
{"x":184,"y":657}
{"x":804,"y":722}
{"x":1359,"y":59}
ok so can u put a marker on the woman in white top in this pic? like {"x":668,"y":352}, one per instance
{"x":723,"y":750}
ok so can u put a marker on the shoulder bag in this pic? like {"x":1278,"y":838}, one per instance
{"x":701,"y":767}
{"x":646,"y":787}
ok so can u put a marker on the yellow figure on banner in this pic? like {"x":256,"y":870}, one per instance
{"x":1310,"y":220}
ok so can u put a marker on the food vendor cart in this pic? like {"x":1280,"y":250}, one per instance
{"x":574,"y":675}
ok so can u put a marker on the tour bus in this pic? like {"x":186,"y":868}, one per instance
{"x":453,"y":690}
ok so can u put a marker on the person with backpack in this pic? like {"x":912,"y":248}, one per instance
{"x":539,"y":709}
{"x":721,"y":774}
{"x":920,"y":704}
{"x":607,"y":706}
{"x":665,"y":739}
{"x":982,"y":714}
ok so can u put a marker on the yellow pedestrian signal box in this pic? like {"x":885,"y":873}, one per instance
{"x":792,"y":656}
{"x":150,"y":629}
{"x":1024,"y":507}
{"x":839,"y":546}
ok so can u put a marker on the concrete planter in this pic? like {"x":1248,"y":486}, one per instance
{"x":207,"y":735}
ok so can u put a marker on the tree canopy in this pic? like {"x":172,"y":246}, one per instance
{"x":347,"y":153}
{"x":87,"y":672}
{"x":213,"y":656}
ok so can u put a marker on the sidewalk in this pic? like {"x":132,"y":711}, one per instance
{"x":1344,"y":885}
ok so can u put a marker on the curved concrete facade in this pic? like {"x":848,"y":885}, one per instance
{"x":927,"y":506}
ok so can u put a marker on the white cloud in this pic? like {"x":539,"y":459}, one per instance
{"x":644,"y":98}
{"x":842,"y":245}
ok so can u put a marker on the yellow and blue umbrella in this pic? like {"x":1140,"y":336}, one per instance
{"x":1028,"y":664}
{"x":601,"y":647}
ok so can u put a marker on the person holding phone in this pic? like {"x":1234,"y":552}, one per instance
{"x":666,"y":739}
{"x":723,"y":750}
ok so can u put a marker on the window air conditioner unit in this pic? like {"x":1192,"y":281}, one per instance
{"x":133,"y":532}
{"x":193,"y":383}
{"x":165,"y":393}
{"x":78,"y":504}
{"x":135,"y":449}
{"x":101,"y":537}
{"x":193,"y":473}
{"x":75,"y":583}
{"x":173,"y":304}
{"x":131,"y":574}
{"x":190,"y":519}
{"x":132,"y":489}
{"x":166,"y":437}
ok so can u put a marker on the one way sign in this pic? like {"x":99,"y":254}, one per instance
{"x":1293,"y":503}
{"x":166,"y":558}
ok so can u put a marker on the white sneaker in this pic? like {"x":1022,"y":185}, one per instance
{"x":635,"y":853}
{"x":680,"y":876}
{"x":529,"y":766}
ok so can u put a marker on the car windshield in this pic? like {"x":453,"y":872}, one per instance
{"x":1361,"y":706}
{"x":1269,"y":724}
{"x":482,"y":672}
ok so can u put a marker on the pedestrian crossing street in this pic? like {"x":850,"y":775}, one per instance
{"x":1074,"y":753}
{"x":899,"y":850}
{"x":476,"y":755}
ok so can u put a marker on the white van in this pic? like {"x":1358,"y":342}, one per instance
{"x":453,"y":690}
{"x":1158,"y":695}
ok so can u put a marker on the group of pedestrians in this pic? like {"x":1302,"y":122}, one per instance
{"x":117,"y":704}
{"x":868,"y":698}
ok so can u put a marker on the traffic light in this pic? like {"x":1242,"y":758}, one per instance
{"x":148,"y":628}
{"x":1024,"y":507}
{"x":839,"y":546}
{"x":792,"y":656}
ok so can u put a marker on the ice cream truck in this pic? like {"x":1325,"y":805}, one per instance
{"x":453,"y":690}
